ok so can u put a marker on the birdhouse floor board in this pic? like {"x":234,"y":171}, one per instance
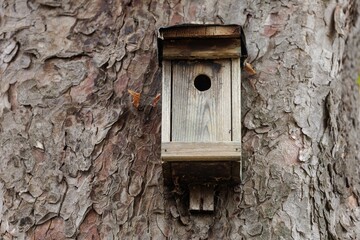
{"x":197,"y":172}
{"x":205,"y":151}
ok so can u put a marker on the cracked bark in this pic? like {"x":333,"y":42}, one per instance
{"x":77,"y":161}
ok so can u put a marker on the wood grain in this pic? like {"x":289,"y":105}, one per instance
{"x":201,"y":31}
{"x":201,"y":116}
{"x":236,"y":99}
{"x":166,"y":101}
{"x":236,"y":106}
{"x":200,"y":151}
{"x":201,"y":198}
{"x":201,"y":48}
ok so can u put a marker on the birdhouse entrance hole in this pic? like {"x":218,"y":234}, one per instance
{"x":202,"y":82}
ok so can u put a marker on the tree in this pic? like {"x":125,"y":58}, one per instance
{"x":77,"y":161}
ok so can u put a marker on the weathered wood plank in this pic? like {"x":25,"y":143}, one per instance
{"x":236,"y":99}
{"x":200,"y":151}
{"x":194,"y":198}
{"x":201,"y":116}
{"x":201,"y":31}
{"x":201,"y":48}
{"x":166,"y":102}
{"x":201,"y":198}
{"x":236,"y":105}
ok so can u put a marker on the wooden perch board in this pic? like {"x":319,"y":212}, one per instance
{"x":198,"y":151}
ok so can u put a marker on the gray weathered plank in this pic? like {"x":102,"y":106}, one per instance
{"x":201,"y":31}
{"x":201,"y":116}
{"x":200,"y":151}
{"x":166,"y":101}
{"x":236,"y":104}
{"x":236,"y":99}
{"x":201,"y":198}
{"x":201,"y":48}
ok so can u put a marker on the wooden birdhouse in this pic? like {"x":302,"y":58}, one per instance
{"x":201,"y":107}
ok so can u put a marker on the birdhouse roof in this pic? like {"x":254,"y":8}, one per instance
{"x":201,"y":41}
{"x":200,"y":31}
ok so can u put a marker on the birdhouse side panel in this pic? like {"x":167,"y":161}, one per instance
{"x":236,"y":100}
{"x":166,"y":102}
{"x":201,"y":115}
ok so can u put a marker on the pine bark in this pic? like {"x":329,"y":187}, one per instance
{"x":79,"y":162}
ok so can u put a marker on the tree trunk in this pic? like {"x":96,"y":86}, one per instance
{"x":78,"y":161}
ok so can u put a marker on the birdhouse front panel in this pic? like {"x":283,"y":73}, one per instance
{"x":201,"y":101}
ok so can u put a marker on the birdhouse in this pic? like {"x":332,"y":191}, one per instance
{"x":201,"y":107}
